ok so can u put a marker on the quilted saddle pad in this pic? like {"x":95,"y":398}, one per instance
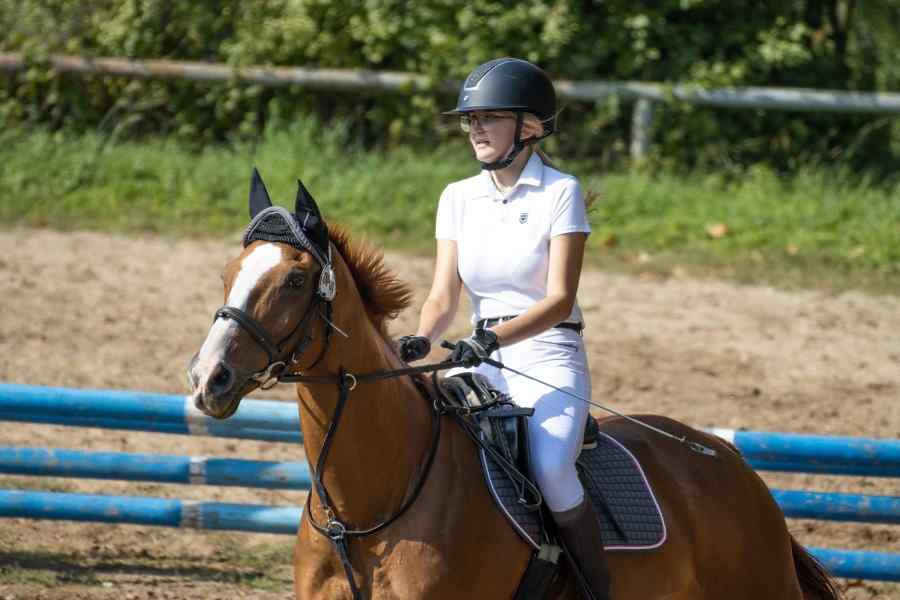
{"x":629,"y":513}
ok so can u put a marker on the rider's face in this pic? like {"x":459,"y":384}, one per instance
{"x":490,"y":133}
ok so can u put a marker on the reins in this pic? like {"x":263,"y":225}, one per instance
{"x":334,"y":528}
{"x":337,"y":530}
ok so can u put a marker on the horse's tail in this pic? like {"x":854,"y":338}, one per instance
{"x":814,"y":579}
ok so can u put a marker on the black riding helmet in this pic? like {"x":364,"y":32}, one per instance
{"x":509,"y":84}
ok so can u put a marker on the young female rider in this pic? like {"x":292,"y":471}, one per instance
{"x":514,"y":235}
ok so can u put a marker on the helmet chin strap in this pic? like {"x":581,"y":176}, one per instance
{"x":517,"y":147}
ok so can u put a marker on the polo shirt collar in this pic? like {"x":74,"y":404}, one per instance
{"x":532,"y":175}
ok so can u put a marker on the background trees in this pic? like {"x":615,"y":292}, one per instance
{"x":835,"y":44}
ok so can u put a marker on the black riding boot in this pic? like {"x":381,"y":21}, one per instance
{"x":579,"y":529}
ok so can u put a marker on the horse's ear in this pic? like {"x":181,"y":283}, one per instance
{"x":307,"y":212}
{"x":259,"y":197}
{"x":305,"y":202}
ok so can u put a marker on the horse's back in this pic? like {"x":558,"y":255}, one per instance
{"x":726,"y":536}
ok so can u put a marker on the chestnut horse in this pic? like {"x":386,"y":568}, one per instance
{"x":727,"y":538}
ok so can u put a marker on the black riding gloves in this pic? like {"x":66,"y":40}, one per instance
{"x":475,"y":349}
{"x":414,"y":347}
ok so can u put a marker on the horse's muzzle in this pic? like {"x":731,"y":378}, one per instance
{"x":215,"y":392}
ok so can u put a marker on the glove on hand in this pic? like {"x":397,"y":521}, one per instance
{"x":414,"y":347}
{"x":474,"y":350}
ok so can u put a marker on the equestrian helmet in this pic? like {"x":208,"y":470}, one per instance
{"x":509,"y":84}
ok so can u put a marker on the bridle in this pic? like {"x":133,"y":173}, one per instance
{"x":279,"y":358}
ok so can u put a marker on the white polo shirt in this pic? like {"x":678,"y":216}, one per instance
{"x":503,"y":243}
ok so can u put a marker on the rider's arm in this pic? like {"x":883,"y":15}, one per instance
{"x":443,"y":299}
{"x":566,"y":257}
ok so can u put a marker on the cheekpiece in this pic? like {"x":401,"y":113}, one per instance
{"x":277,"y":224}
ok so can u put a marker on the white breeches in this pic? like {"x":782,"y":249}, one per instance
{"x":556,"y":429}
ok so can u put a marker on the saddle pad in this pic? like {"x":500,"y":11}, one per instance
{"x":630,"y":516}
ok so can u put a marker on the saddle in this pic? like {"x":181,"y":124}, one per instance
{"x":612,"y":477}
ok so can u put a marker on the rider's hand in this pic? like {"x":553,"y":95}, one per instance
{"x":414,"y":347}
{"x":475,"y":349}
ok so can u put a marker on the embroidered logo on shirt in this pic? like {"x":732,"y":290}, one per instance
{"x":523,"y":218}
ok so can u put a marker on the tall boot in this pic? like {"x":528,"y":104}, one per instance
{"x":579,"y":529}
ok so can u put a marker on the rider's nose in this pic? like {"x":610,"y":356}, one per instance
{"x":220,"y":379}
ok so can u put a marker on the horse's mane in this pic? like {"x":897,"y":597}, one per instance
{"x":383,"y":294}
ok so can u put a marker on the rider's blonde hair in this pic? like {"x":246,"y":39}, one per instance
{"x":534,"y":127}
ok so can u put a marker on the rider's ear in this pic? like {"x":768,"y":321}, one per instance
{"x":259,"y":197}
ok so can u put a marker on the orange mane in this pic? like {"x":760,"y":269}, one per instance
{"x":383,"y":294}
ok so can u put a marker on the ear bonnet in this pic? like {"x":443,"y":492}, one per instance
{"x":303,"y":229}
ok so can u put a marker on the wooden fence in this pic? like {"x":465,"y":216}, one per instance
{"x":643,"y":94}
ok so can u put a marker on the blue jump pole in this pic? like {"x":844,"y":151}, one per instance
{"x":859,"y":564}
{"x":838,"y":507}
{"x":195,"y":470}
{"x":149,"y":511}
{"x":876,"y":566}
{"x":215,"y":429}
{"x":278,"y":421}
{"x":256,"y":419}
{"x":816,"y":453}
{"x":266,"y":474}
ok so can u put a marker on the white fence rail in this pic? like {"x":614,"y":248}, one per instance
{"x":643,"y":94}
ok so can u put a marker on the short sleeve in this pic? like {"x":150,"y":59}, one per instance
{"x":570,"y":214}
{"x":445,"y":223}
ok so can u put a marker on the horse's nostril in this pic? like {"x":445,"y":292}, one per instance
{"x":220,"y":379}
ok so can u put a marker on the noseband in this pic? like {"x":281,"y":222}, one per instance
{"x":278,"y":361}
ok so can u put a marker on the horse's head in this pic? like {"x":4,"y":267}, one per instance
{"x":274,"y":292}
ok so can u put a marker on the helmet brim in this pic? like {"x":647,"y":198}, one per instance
{"x":468,"y":109}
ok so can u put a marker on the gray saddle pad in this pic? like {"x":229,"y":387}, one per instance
{"x":630,"y":516}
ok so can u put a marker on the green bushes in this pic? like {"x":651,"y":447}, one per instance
{"x":814,"y":43}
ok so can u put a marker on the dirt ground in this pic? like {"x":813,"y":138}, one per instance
{"x":104,"y":311}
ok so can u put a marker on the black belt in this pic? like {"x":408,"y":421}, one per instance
{"x":485,"y":323}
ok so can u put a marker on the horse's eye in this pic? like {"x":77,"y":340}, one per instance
{"x":295,"y":282}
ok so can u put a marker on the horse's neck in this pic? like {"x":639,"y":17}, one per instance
{"x":382,"y":437}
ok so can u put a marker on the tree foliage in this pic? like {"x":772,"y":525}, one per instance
{"x":835,"y":44}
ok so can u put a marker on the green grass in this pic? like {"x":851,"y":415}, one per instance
{"x":818,"y":227}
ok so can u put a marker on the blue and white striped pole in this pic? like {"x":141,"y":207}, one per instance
{"x":255,"y":419}
{"x":816,"y":453}
{"x":193,"y":470}
{"x":158,"y":512}
{"x":856,"y":564}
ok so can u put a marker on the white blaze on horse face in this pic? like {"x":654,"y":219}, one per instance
{"x":254,"y":266}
